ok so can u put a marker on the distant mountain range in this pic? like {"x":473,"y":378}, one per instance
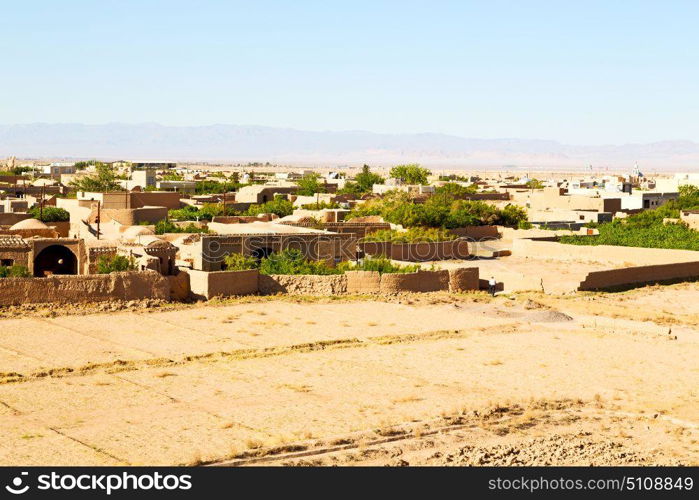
{"x":253,"y":143}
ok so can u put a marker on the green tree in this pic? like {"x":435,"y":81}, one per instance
{"x":240,"y":262}
{"x":410,"y":174}
{"x":310,"y":184}
{"x":103,"y":180}
{"x":279,"y":206}
{"x":456,"y":190}
{"x":14,"y":271}
{"x":535,"y":184}
{"x":165,"y":226}
{"x":366,"y":179}
{"x":111,"y":264}
{"x":50,"y":214}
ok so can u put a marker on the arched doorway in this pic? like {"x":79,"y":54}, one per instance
{"x":55,"y":259}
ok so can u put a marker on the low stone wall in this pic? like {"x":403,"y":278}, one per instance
{"x":303,"y":284}
{"x":630,"y":276}
{"x":421,"y":281}
{"x":206,"y":285}
{"x":180,"y":288}
{"x":363,"y":282}
{"x":418,"y":252}
{"x":463,"y":279}
{"x":352,"y":282}
{"x":131,"y":285}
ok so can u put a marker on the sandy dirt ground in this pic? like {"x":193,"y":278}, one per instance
{"x":432,"y":379}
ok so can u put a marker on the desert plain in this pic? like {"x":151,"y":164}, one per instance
{"x":428,"y":379}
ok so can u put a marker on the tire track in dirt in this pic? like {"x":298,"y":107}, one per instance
{"x":118,"y":366}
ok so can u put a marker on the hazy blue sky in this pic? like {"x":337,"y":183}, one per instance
{"x":578,"y":72}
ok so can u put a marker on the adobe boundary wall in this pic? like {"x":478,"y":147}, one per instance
{"x":132,"y":285}
{"x":548,"y":248}
{"x":206,"y":285}
{"x":639,"y":275}
{"x":359,"y":282}
{"x":477,"y":233}
{"x":418,"y":252}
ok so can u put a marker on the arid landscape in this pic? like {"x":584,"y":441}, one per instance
{"x":409,"y":379}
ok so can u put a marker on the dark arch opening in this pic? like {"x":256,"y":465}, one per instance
{"x":55,"y":259}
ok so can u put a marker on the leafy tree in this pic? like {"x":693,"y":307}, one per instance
{"x":648,"y":229}
{"x":440,"y":210}
{"x":111,"y":264}
{"x":240,"y":262}
{"x":103,"y":180}
{"x":380,"y":264}
{"x":366,"y":179}
{"x":535,"y":184}
{"x":320,"y":206}
{"x":411,"y":174}
{"x":279,"y":206}
{"x":165,"y":226}
{"x":50,"y":214}
{"x":351,"y":188}
{"x":412,"y":235}
{"x":216,"y":187}
{"x":21,"y":170}
{"x":291,"y":261}
{"x":82,"y":165}
{"x":456,"y":190}
{"x":310,"y":184}
{"x":172,"y":176}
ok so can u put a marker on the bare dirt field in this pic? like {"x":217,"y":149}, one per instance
{"x":433,"y":379}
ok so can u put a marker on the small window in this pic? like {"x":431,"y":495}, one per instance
{"x":7,"y":262}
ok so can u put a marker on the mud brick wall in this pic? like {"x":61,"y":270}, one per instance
{"x":86,"y":288}
{"x":206,"y":285}
{"x":600,"y":280}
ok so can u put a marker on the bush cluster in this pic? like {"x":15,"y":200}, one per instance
{"x":440,"y":210}
{"x":647,"y":229}
{"x":165,"y":226}
{"x":14,"y":271}
{"x":412,"y":235}
{"x":292,"y":261}
{"x":111,"y":264}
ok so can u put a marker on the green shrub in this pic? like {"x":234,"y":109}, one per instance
{"x":441,"y":210}
{"x":363,"y":183}
{"x":535,"y":184}
{"x":165,"y":226}
{"x":50,"y":214}
{"x":216,"y":187}
{"x":410,"y":174}
{"x":110,"y":264}
{"x":321,"y":206}
{"x":279,"y":206}
{"x":292,"y":262}
{"x":412,"y":235}
{"x":647,"y":229}
{"x":379,"y":264}
{"x":456,"y":189}
{"x":240,"y":262}
{"x":310,"y":184}
{"x":14,"y":271}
